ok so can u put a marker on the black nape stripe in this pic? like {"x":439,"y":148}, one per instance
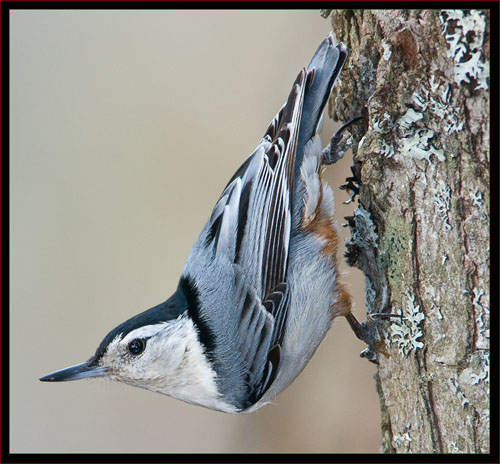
{"x":205,"y":333}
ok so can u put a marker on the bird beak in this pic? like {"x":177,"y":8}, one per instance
{"x":80,"y":371}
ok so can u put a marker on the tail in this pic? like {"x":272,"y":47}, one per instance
{"x":323,"y":70}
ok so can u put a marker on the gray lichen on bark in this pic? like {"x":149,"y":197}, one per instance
{"x":421,"y":230}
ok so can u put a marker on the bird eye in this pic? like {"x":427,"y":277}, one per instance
{"x":137,"y":346}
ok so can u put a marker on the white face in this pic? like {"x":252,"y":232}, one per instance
{"x":168,"y":359}
{"x":149,"y":354}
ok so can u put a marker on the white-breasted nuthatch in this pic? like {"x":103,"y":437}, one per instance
{"x":260,"y":288}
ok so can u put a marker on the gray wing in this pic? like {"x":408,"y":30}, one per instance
{"x":251,"y":222}
{"x":246,"y":244}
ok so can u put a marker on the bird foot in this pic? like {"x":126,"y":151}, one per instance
{"x":339,"y":144}
{"x":371,"y":333}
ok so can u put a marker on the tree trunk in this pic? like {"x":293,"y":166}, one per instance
{"x":421,"y":230}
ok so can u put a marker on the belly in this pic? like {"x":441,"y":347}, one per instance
{"x":313,"y":293}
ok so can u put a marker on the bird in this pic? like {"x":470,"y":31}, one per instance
{"x":260,"y":288}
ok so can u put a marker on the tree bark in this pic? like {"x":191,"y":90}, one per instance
{"x":420,"y":232}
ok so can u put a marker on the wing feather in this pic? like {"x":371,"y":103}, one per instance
{"x":250,"y":228}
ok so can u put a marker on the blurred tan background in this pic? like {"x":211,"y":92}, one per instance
{"x":126,"y":125}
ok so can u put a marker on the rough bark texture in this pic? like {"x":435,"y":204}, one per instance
{"x":420,"y":232}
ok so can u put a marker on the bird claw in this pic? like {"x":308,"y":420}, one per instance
{"x":375,"y":316}
{"x":339,"y":144}
{"x":370,"y":355}
{"x":336,"y":149}
{"x":370,"y":332}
